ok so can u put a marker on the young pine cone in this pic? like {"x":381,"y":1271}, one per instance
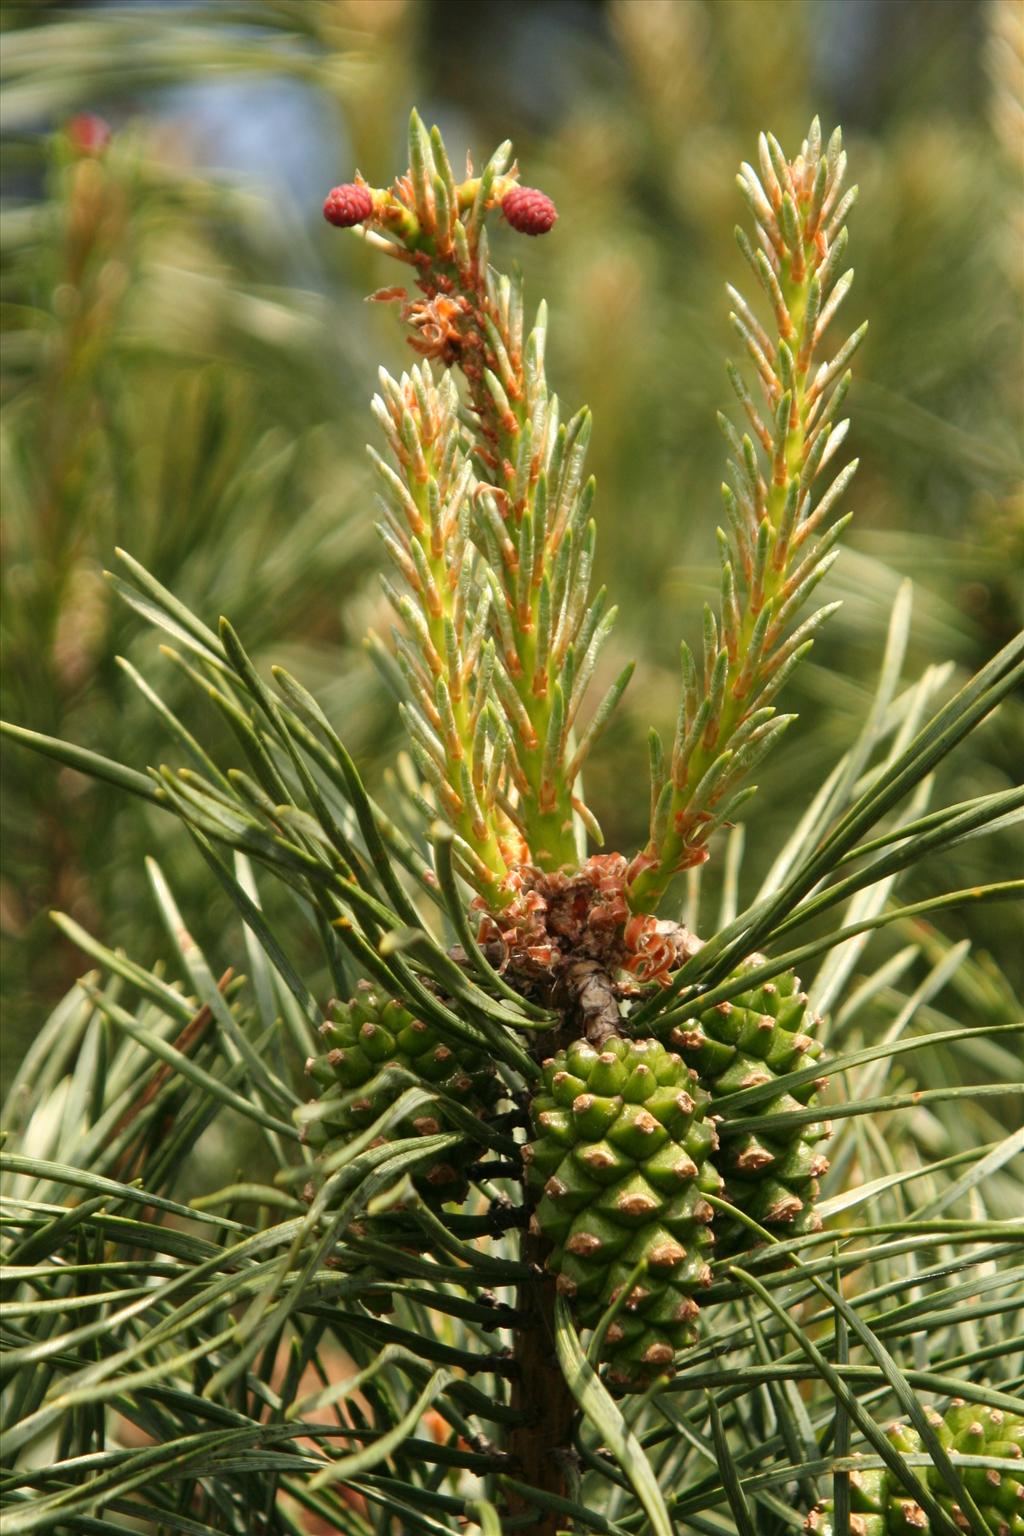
{"x":619,"y":1161}
{"x":370,"y":1033}
{"x":880,"y":1507}
{"x":754,"y":1038}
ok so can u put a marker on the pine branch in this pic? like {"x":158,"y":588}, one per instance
{"x":204,"y":1365}
{"x":779,"y":543}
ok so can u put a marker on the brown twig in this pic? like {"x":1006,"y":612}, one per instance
{"x":189,"y":1037}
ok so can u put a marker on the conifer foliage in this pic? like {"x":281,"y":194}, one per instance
{"x":546,"y":1236}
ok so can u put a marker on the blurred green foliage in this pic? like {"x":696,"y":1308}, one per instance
{"x":177,"y":380}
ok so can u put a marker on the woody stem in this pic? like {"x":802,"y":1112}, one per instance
{"x":542,"y":1445}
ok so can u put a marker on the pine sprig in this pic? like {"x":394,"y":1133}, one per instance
{"x":457,"y":729}
{"x":530,"y":504}
{"x":779,"y":541}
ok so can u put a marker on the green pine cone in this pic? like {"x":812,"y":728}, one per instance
{"x":752,"y":1039}
{"x":620,"y":1164}
{"x":880,"y":1507}
{"x":370,"y":1033}
{"x":869,"y":1492}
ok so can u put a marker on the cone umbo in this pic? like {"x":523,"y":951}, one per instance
{"x":370,"y":1033}
{"x":620,"y":1165}
{"x":881,"y":1507}
{"x":751,"y":1039}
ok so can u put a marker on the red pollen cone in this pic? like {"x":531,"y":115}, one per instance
{"x":528,"y":210}
{"x":348,"y":205}
{"x":88,"y":132}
